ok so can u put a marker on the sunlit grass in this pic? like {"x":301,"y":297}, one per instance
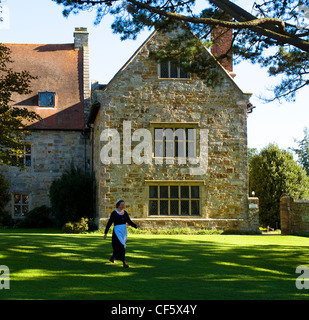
{"x":48,"y":265}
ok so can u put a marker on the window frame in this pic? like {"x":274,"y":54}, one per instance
{"x":24,"y":155}
{"x":46,"y":92}
{"x":174,"y":126}
{"x":22,"y":204}
{"x":179,"y":185}
{"x":169,"y":71}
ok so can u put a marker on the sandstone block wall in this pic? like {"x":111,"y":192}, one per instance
{"x":294,"y":215}
{"x":52,"y":153}
{"x":136,"y":94}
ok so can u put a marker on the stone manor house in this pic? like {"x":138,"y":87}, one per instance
{"x":144,"y":97}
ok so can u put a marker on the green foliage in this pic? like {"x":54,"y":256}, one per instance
{"x":189,"y":52}
{"x":92,"y":226}
{"x":241,"y":232}
{"x":12,"y":119}
{"x":72,"y":195}
{"x":182,"y":231}
{"x":76,"y":227}
{"x":271,"y":35}
{"x":4,"y":195}
{"x":303,"y":151}
{"x":5,"y":218}
{"x":273,"y":172}
{"x":172,"y":231}
{"x":39,"y":217}
{"x":7,"y":221}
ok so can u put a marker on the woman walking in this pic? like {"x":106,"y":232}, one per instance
{"x":119,"y":217}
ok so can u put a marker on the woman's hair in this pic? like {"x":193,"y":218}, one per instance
{"x":118,"y":203}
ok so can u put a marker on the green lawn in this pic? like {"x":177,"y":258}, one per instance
{"x":49,"y":265}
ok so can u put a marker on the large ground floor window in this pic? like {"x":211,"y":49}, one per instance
{"x":174,"y":200}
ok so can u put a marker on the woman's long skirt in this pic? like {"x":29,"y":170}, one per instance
{"x":118,"y":247}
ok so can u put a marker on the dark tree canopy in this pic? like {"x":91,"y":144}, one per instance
{"x":303,"y":150}
{"x":275,"y":35}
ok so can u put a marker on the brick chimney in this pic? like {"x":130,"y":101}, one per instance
{"x":81,"y":43}
{"x":223,"y":40}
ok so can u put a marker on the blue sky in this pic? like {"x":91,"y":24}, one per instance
{"x":34,"y":21}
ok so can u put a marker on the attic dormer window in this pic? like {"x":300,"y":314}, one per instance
{"x":168,"y":70}
{"x":47,"y":99}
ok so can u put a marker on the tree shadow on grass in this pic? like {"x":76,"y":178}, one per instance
{"x":59,"y":266}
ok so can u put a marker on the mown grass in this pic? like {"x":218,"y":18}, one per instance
{"x":45,"y":264}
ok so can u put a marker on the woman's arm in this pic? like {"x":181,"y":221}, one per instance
{"x":128,"y":220}
{"x":109,"y":223}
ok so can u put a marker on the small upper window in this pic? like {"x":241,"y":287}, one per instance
{"x":169,"y":70}
{"x":47,"y":99}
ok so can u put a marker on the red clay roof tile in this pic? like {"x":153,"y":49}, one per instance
{"x":59,"y":69}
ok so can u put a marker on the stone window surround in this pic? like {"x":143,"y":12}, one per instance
{"x":47,"y":92}
{"x":21,"y":194}
{"x":169,"y":77}
{"x":174,"y":125}
{"x":25,"y":155}
{"x":199,"y":183}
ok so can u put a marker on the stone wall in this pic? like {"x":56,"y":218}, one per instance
{"x":253,"y":214}
{"x":52,"y":153}
{"x":183,"y":222}
{"x":136,"y":94}
{"x":250,"y":223}
{"x":294,"y":215}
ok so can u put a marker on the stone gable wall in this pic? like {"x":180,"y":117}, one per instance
{"x":137,"y":95}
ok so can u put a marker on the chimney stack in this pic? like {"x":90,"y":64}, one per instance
{"x":223,"y":40}
{"x":80,"y":37}
{"x":81,"y":43}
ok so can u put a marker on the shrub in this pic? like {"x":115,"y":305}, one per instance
{"x":39,"y":217}
{"x":7,"y":220}
{"x":76,"y":227}
{"x":72,"y":196}
{"x":241,"y":232}
{"x":68,"y":228}
{"x":172,"y":231}
{"x":92,"y":225}
{"x":4,"y":199}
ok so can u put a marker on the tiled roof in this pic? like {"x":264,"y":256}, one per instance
{"x":59,"y":69}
